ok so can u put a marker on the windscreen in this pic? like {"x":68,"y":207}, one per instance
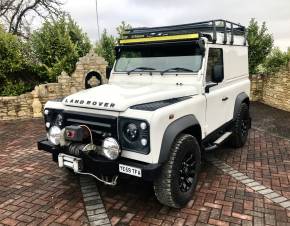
{"x":159,"y":58}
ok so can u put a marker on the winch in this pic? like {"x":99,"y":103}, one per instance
{"x":75,"y":139}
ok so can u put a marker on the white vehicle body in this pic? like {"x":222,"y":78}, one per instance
{"x":210,"y":106}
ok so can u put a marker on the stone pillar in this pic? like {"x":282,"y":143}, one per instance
{"x":36,"y":104}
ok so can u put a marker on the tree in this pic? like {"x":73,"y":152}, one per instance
{"x":16,"y":15}
{"x":121,"y":29}
{"x":5,"y":5}
{"x":106,"y":46}
{"x":58,"y":46}
{"x":260,"y":44}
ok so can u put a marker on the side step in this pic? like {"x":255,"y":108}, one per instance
{"x":218,"y":142}
{"x":222,"y":138}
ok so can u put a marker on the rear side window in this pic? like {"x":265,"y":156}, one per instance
{"x":215,"y":57}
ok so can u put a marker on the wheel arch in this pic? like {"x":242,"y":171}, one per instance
{"x":241,"y":98}
{"x":186,"y":124}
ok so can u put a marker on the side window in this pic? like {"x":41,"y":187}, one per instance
{"x":215,"y":57}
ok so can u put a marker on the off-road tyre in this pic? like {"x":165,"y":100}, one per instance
{"x":168,"y":185}
{"x":240,"y":127}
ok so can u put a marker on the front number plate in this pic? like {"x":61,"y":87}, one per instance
{"x":130,"y":170}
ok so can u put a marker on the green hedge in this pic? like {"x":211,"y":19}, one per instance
{"x":17,"y":73}
{"x":54,"y":48}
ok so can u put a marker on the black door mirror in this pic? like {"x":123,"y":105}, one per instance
{"x":108,"y":72}
{"x":218,"y":73}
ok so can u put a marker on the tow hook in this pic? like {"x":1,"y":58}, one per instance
{"x":104,"y":179}
{"x":76,"y":164}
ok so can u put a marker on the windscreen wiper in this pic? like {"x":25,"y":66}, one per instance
{"x":176,"y":69}
{"x":141,"y":68}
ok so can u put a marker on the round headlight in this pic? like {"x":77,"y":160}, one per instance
{"x":111,"y":148}
{"x":131,"y":132}
{"x":59,"y":120}
{"x":54,"y":135}
{"x":46,"y":112}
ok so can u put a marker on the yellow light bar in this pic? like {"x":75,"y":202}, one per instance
{"x":160,"y":38}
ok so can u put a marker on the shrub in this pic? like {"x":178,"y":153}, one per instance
{"x":17,"y":73}
{"x":15,"y":89}
{"x":275,"y":61}
{"x":55,"y":47}
{"x":58,"y":45}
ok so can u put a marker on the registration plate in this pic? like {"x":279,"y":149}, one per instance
{"x":130,"y":170}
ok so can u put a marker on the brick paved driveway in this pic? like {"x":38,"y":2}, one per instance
{"x":34,"y":191}
{"x":219,"y":199}
{"x":270,"y":119}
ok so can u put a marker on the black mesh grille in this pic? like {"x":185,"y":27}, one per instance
{"x":101,"y":125}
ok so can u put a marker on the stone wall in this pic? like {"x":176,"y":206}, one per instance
{"x":30,"y":105}
{"x":273,"y":90}
{"x":276,"y":90}
{"x":16,"y":107}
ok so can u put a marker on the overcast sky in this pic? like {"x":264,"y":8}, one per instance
{"x":276,"y":13}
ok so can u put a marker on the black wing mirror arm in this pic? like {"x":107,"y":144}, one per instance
{"x":209,"y":85}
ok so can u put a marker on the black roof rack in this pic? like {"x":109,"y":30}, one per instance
{"x":211,"y":26}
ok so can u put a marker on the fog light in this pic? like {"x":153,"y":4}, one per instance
{"x":110,"y":148}
{"x":46,"y":112}
{"x":144,"y":142}
{"x":54,"y":135}
{"x":143,"y":125}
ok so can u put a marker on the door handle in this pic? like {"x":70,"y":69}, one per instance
{"x":225,"y":98}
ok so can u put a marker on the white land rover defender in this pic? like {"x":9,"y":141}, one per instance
{"x":174,"y":93}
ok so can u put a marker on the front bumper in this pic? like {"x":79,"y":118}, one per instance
{"x":101,"y":165}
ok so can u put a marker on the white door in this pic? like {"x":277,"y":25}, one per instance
{"x":216,"y":98}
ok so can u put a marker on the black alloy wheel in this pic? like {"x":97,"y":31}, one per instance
{"x":241,"y":127}
{"x":187,"y":172}
{"x":176,"y":183}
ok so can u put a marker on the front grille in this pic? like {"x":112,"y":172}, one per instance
{"x":101,"y":125}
